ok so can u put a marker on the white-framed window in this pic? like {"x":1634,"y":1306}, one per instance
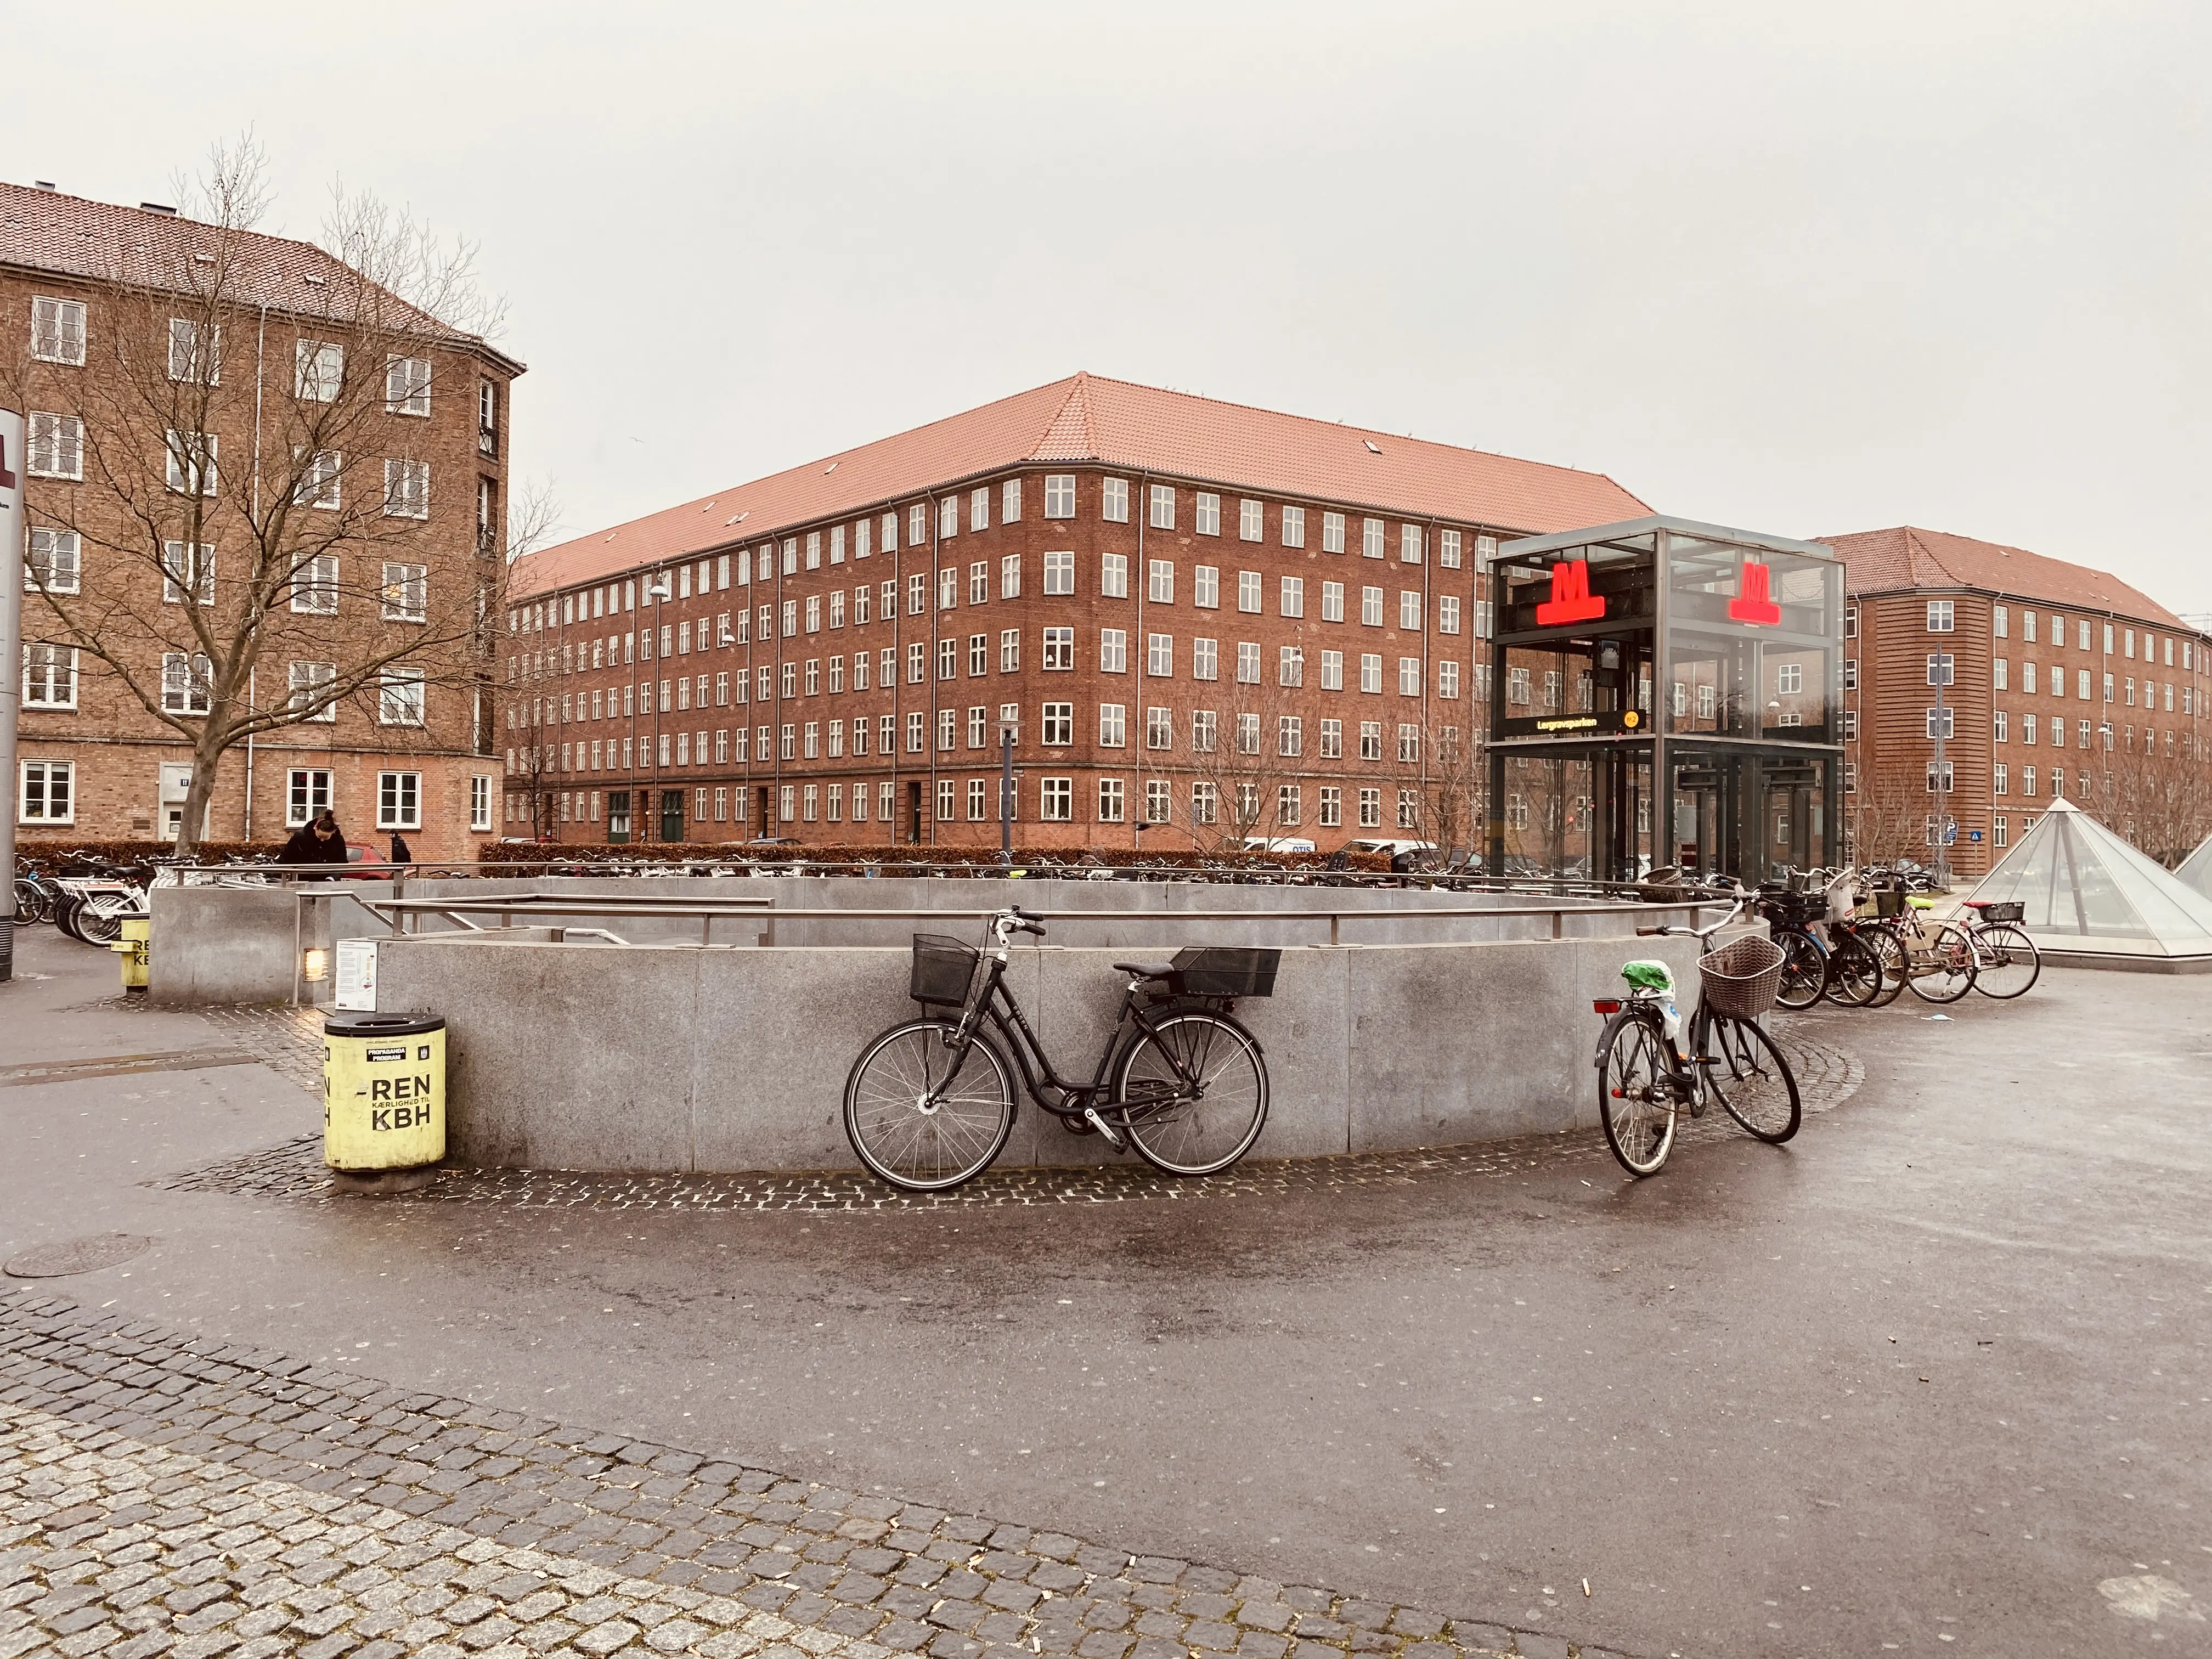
{"x":58,"y":330}
{"x":1159,"y":581}
{"x":55,"y":561}
{"x":1290,"y":735}
{"x":1206,"y":518}
{"x":318,"y":371}
{"x":1447,"y":613}
{"x":307,"y":681}
{"x":1010,"y":502}
{"x":195,"y":356}
{"x":1251,"y":520}
{"x":406,"y":490}
{"x":1205,"y":588}
{"x":1010,"y":650}
{"x":406,"y":593}
{"x":1409,"y":677}
{"x":48,"y":793}
{"x":1371,"y":535}
{"x":57,"y":446}
{"x":1059,"y":574}
{"x":1114,"y":500}
{"x":1113,"y":725}
{"x":1247,"y":662}
{"x":399,"y":697}
{"x":1056,"y":726}
{"x":1941,"y":616}
{"x":1114,"y":575}
{"x":1332,"y":602}
{"x":1205,"y":803}
{"x":2000,"y":727}
{"x":1059,"y":649}
{"x":979,"y":507}
{"x":1294,"y":527}
{"x":319,"y":482}
{"x":480,"y":803}
{"x":1370,"y":607}
{"x":1447,"y":678}
{"x":1159,"y":655}
{"x":1409,"y":543}
{"x":192,"y":458}
{"x":1205,"y":729}
{"x":1409,"y":611}
{"x":1332,"y":670}
{"x":1332,"y":532}
{"x":1113,"y":650}
{"x":186,"y":683}
{"x":49,"y":677}
{"x":1942,"y":723}
{"x":1370,"y":809}
{"x":187,"y":568}
{"x":407,"y":385}
{"x":948,"y":518}
{"x":1371,"y":740}
{"x":1409,"y":809}
{"x":315,"y":586}
{"x":1248,"y":598}
{"x":1163,"y":507}
{"x":1010,"y":576}
{"x":399,"y":800}
{"x":1789,"y":679}
{"x":1294,"y":595}
{"x":1371,"y":672}
{"x":1056,"y":800}
{"x":1942,"y":668}
{"x":1060,"y":497}
{"x":308,"y":796}
{"x":1447,"y":549}
{"x":1290,"y":666}
{"x":1159,"y":728}
{"x":979,"y":591}
{"x":1204,"y":659}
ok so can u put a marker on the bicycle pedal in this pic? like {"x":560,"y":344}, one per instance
{"x":1106,"y":1131}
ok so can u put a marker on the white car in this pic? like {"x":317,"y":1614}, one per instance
{"x":1404,"y":856}
{"x":1276,"y":844}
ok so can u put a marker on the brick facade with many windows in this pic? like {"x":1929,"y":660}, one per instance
{"x":414,"y":752}
{"x":1216,"y":620}
{"x":2058,"y":680}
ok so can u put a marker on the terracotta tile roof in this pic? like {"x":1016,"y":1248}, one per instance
{"x":1887,"y":561}
{"x":1086,"y":418}
{"x":46,"y":230}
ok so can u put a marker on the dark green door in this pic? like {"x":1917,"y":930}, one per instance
{"x":618,"y":816}
{"x":672,"y":815}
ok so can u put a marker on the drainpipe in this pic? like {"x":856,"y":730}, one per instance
{"x":260,"y":339}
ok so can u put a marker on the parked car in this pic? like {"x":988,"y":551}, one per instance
{"x":1404,"y":856}
{"x":1276,"y":844}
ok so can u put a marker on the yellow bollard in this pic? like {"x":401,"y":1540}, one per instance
{"x":383,"y":1099}
{"x":131,"y":945}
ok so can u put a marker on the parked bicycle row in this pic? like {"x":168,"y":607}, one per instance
{"x":1861,"y":938}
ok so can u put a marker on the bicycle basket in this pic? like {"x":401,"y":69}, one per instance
{"x":2009,"y":910}
{"x":1215,"y":970}
{"x":943,"y":971}
{"x":1741,"y":980}
{"x":1889,"y":902}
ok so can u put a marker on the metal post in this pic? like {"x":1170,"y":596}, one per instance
{"x":1942,"y":781}
{"x":12,"y":457}
{"x":1006,"y":795}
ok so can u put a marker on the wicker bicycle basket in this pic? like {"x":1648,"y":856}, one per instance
{"x":943,"y":971}
{"x":2002,"y":911}
{"x":1741,"y":980}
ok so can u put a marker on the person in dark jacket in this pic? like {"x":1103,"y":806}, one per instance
{"x":399,"y":853}
{"x":318,"y":842}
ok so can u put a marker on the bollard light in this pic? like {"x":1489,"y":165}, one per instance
{"x":314,"y":966}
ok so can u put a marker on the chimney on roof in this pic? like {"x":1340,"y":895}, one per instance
{"x":42,"y":183}
{"x":158,"y":207}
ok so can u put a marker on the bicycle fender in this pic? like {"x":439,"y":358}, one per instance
{"x":1613,"y":1023}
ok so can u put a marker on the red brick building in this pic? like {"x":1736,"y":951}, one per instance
{"x":2058,"y":680}
{"x":93,"y":291}
{"x":1212,"y":618}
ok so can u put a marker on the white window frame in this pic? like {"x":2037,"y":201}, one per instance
{"x":187,"y":564}
{"x":57,"y":331}
{"x":399,"y":800}
{"x":307,"y":795}
{"x":35,"y":792}
{"x":402,"y":698}
{"x":54,"y":562}
{"x":318,"y":371}
{"x":1294,"y":527}
{"x":49,"y":677}
{"x":1114,"y":500}
{"x":315,"y":586}
{"x":406,"y":489}
{"x":1206,"y":514}
{"x":1060,"y":495}
{"x":407,"y":385}
{"x":56,"y":445}
{"x":188,"y":364}
{"x":186,"y":683}
{"x":406,"y":593}
{"x":1059,"y":574}
{"x":194,"y":463}
{"x":305,"y":676}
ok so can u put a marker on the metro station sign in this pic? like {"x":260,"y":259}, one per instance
{"x":1754,"y":602}
{"x":1571,"y":601}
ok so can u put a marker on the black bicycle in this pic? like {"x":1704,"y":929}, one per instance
{"x":930,"y":1102}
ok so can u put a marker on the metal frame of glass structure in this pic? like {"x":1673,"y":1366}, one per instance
{"x":1666,"y":694}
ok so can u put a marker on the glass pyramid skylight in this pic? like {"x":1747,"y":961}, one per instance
{"x":2196,"y":869}
{"x":2087,"y":892}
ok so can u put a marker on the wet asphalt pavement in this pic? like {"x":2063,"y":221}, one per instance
{"x":1929,"y":1376}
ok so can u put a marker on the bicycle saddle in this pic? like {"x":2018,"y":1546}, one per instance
{"x":1159,"y":970}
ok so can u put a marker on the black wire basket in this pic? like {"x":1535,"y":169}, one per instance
{"x":943,"y":969}
{"x":1224,"y":971}
{"x":2005,"y":910}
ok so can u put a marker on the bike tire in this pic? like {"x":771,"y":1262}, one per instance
{"x":1635,"y":1096}
{"x":911,"y":1119}
{"x":1952,"y":973}
{"x":1804,"y":970}
{"x":1177,"y":1128}
{"x":1854,"y":973}
{"x":95,"y":928}
{"x":2001,"y":950}
{"x":65,"y":913}
{"x":1891,"y":954}
{"x":1753,"y":1080}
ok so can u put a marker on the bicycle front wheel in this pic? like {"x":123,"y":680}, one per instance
{"x":1636,"y":1098}
{"x":2007,"y":961}
{"x":1854,"y":973}
{"x":1753,"y":1080}
{"x":1946,"y":973}
{"x":1890,"y":954}
{"x":922,"y":1116}
{"x":1804,"y":970}
{"x":1193,"y":1093}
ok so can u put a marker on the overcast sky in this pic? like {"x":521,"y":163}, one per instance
{"x":1803,"y":269}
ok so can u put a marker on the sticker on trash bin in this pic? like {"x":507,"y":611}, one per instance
{"x":375,"y":1054}
{"x":422,"y":1053}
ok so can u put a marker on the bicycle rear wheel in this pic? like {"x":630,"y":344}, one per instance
{"x":1804,"y":970}
{"x":1192,"y":1093}
{"x":1891,"y":954}
{"x":1853,"y":972}
{"x":917,"y":1120}
{"x":1948,"y":973}
{"x":2007,"y":961}
{"x":1753,"y":1080}
{"x":1636,"y":1098}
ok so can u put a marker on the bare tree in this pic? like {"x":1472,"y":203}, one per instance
{"x":1243,"y":754}
{"x":1886,"y":817}
{"x":248,"y":500}
{"x":2153,"y":794}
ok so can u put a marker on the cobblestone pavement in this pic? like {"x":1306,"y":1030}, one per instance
{"x":161,"y":1494}
{"x":1827,"y":1075}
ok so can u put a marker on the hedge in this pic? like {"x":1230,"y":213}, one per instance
{"x":46,"y":853}
{"x":907,"y":855}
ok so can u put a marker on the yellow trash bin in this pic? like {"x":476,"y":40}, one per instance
{"x":132,"y":945}
{"x":384,"y":1092}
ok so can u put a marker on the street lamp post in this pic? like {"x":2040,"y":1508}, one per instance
{"x":1006,"y":793}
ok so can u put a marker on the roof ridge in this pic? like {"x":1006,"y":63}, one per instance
{"x":1074,"y":415}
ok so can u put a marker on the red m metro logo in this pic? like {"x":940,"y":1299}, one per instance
{"x":1571,"y":600}
{"x":1753,"y":602}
